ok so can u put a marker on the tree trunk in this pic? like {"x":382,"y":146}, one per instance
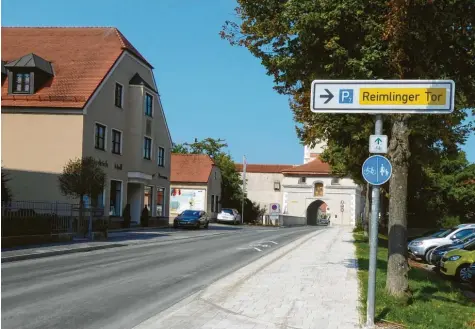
{"x":367,"y":210}
{"x":398,"y":268}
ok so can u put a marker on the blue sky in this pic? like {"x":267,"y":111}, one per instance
{"x":208,"y":88}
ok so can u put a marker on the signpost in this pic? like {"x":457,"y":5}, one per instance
{"x":378,"y":144}
{"x":380,"y":97}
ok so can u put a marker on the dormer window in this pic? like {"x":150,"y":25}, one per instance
{"x":28,"y":74}
{"x":22,"y":83}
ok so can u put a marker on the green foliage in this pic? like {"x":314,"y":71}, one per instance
{"x":449,"y":221}
{"x":144,"y":217}
{"x":231,"y":186}
{"x":299,"y":41}
{"x":127,"y":217}
{"x":82,"y":177}
{"x":435,"y":303}
{"x":6,"y":191}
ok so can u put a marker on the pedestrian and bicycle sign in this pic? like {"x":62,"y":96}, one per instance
{"x":378,"y":144}
{"x":382,"y":96}
{"x":377,"y":170}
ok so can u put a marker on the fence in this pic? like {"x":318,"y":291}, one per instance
{"x":35,"y":218}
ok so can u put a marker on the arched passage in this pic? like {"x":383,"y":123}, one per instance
{"x":314,"y":210}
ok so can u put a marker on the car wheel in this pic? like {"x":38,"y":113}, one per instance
{"x":207,"y":225}
{"x":428,"y":252}
{"x":429,"y":255}
{"x":175,"y":225}
{"x":462,"y":273}
{"x":198,"y":226}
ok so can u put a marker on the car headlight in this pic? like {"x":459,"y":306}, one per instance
{"x":416,"y":243}
{"x":454,"y":258}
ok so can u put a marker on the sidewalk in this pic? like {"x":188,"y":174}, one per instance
{"x":309,"y":283}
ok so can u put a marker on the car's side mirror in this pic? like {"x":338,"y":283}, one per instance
{"x":454,"y":237}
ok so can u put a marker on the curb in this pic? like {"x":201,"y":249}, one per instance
{"x":9,"y":259}
{"x":213,"y":293}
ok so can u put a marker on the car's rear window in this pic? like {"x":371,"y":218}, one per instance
{"x":228,"y":211}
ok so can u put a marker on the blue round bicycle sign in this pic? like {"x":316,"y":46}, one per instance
{"x":377,"y":170}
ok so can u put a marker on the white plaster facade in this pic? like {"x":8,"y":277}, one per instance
{"x":295,"y":191}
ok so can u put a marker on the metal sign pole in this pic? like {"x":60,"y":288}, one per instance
{"x":373,"y":242}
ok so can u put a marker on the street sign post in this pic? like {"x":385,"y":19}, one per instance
{"x":377,"y":170}
{"x":382,"y":96}
{"x":378,"y":144}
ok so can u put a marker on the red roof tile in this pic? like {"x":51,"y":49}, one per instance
{"x":262,"y":168}
{"x":81,"y":58}
{"x":190,"y":168}
{"x":314,"y":167}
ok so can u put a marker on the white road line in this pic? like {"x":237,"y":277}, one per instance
{"x":257,"y":249}
{"x":270,"y":242}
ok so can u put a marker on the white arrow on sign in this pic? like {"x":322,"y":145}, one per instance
{"x":378,"y":144}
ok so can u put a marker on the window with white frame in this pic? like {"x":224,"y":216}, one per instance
{"x":115,"y":198}
{"x":100,"y":137}
{"x":147,"y":148}
{"x":161,"y":156}
{"x":116,"y":141}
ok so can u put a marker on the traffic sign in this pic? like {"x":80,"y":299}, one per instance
{"x":378,"y":144}
{"x":274,"y":208}
{"x":382,"y":96}
{"x":377,"y":170}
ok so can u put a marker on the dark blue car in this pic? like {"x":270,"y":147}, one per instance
{"x":191,"y":218}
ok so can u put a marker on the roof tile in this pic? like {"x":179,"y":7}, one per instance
{"x":81,"y":58}
{"x":190,"y":168}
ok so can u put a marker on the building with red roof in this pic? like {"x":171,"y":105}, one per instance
{"x":71,"y":92}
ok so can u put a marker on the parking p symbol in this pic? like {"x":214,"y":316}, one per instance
{"x":346,"y":96}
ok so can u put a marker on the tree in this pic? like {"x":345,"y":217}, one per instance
{"x":82,"y":177}
{"x":299,"y":41}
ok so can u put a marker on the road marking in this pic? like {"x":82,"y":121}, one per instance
{"x":270,"y":242}
{"x":257,"y":249}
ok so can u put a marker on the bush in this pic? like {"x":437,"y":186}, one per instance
{"x":18,"y":225}
{"x":144,"y":217}
{"x":127,"y":217}
{"x":449,"y":221}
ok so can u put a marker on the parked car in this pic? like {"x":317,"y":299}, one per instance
{"x":471,"y":272}
{"x":456,"y":263}
{"x":323,"y":221}
{"x":191,"y":218}
{"x":229,"y":215}
{"x":435,"y":255}
{"x":434,"y":232}
{"x":419,"y":248}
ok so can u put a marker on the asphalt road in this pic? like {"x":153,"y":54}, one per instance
{"x":120,"y":288}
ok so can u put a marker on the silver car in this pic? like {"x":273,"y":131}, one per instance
{"x":419,"y":248}
{"x":228,"y":215}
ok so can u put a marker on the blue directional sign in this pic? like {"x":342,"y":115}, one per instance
{"x":377,"y":170}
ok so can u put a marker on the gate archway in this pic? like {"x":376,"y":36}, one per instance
{"x":314,"y":210}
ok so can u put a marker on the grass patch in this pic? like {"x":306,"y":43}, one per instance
{"x":436,"y":303}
